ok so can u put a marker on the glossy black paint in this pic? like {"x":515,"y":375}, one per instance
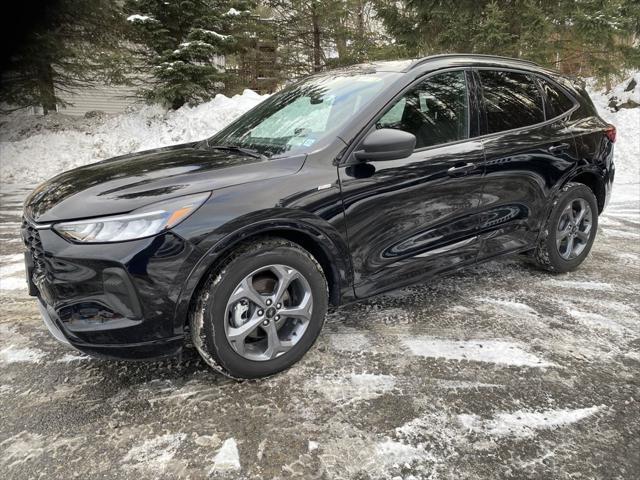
{"x":373,"y":226}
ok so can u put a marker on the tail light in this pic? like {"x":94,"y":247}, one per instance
{"x":610,"y":132}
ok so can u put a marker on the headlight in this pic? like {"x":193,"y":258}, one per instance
{"x":144,"y":222}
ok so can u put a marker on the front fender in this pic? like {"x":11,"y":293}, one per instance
{"x":291,"y":224}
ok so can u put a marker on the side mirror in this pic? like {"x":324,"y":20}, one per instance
{"x":386,"y":144}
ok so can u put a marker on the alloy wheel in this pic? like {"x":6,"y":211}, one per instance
{"x":574,"y":229}
{"x":268,"y":312}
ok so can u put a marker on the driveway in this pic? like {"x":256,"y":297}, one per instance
{"x":499,"y":371}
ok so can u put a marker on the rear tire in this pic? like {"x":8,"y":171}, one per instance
{"x":261,"y":310}
{"x":570,"y":230}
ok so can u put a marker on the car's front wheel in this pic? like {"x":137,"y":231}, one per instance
{"x":261,"y":310}
{"x":570,"y":230}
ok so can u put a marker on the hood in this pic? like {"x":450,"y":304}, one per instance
{"x":125,"y":183}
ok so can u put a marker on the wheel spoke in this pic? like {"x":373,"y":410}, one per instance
{"x":569,"y":247}
{"x":237,"y":335}
{"x":285,"y":277}
{"x":583,"y":236}
{"x":582,"y":212}
{"x":302,"y":311}
{"x":273,"y":341}
{"x":246,"y":290}
{"x":559,"y":240}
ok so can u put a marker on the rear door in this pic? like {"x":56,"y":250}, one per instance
{"x":408,"y":219}
{"x":527,"y":153}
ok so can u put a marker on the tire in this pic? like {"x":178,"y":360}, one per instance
{"x":228,"y":298}
{"x":552,"y":252}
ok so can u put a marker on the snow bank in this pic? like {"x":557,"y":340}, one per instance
{"x":626,"y":94}
{"x":627,"y":148}
{"x":34,"y":149}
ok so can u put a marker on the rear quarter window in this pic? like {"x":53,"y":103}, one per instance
{"x":558,"y":102}
{"x":511,"y":100}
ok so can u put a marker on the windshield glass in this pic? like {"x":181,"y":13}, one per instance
{"x":303,"y":114}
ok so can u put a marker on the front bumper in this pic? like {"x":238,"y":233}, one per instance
{"x":51,"y":325}
{"x":114,"y":300}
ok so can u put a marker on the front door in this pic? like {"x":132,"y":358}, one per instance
{"x":411,"y":218}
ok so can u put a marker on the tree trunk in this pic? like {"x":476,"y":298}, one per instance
{"x":341,"y":47}
{"x":360,"y":31}
{"x":317,"y":52}
{"x":46,"y":88}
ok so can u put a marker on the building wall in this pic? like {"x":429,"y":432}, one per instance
{"x":108,"y":99}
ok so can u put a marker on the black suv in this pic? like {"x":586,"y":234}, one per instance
{"x":343,"y":185}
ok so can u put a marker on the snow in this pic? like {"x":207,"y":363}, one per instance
{"x":233,"y":12}
{"x":215,"y":34}
{"x":524,"y":423}
{"x":512,"y":308}
{"x":11,"y":258}
{"x":349,"y":342}
{"x":627,"y":148}
{"x":626,"y":92}
{"x":13,"y":354}
{"x":579,"y":285}
{"x":154,"y":454}
{"x":7,"y":270}
{"x":71,"y":357}
{"x":140,"y":18}
{"x":33,"y":149}
{"x":353,"y":387}
{"x":227,"y":459}
{"x":13,"y":283}
{"x":596,"y":320}
{"x":491,"y":351}
{"x":391,"y":452}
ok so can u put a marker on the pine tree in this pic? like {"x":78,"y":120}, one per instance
{"x":183,"y":45}
{"x":493,"y":32}
{"x":76,"y":43}
{"x":314,"y":35}
{"x":595,"y":37}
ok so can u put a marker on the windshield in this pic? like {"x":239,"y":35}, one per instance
{"x":303,"y":114}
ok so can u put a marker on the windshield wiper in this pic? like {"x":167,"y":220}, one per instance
{"x":234,"y":148}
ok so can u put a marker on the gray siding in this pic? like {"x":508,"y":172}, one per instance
{"x":108,"y":99}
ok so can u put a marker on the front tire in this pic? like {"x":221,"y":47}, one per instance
{"x":570,"y":231}
{"x":261,"y":310}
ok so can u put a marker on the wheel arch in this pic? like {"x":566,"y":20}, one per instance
{"x":326,"y":246}
{"x":595,"y":182}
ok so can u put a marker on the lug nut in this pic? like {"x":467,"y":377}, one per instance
{"x":265,"y":323}
{"x":277,"y":317}
{"x":260,"y":312}
{"x":269,"y":302}
{"x":279,"y":305}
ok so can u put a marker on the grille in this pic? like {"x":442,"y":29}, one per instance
{"x":31,"y":238}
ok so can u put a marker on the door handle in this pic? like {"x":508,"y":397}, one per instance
{"x":461,"y":169}
{"x":558,"y":148}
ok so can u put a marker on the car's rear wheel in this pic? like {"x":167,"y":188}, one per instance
{"x":570,"y":230}
{"x":261,"y":310}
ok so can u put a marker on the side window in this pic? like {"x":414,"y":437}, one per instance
{"x":436,"y":111}
{"x":512,"y":100}
{"x":557,"y":101}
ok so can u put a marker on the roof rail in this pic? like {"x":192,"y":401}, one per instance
{"x":422,"y":61}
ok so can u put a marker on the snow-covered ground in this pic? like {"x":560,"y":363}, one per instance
{"x":499,"y":371}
